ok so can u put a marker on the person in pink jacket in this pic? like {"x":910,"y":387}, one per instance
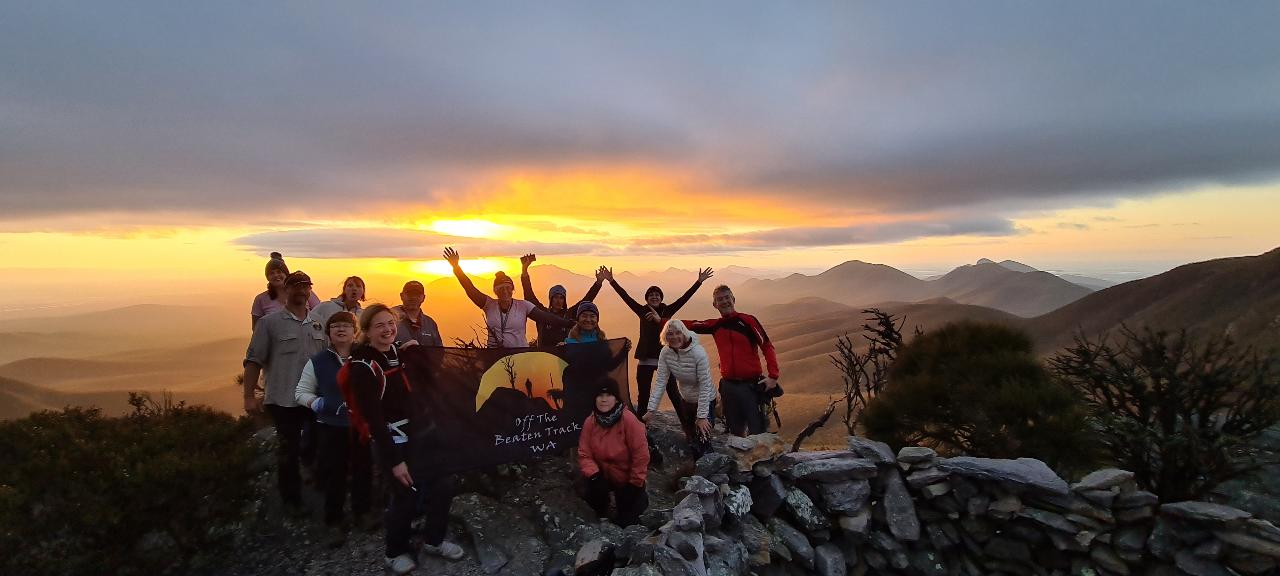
{"x":613,"y":455}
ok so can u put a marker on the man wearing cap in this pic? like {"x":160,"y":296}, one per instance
{"x":505,"y":318}
{"x":414,"y":324}
{"x":549,"y":335}
{"x":282,"y":343}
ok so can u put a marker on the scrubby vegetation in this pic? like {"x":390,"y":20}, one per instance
{"x":978,"y":389}
{"x":81,"y":493}
{"x":1181,"y":414}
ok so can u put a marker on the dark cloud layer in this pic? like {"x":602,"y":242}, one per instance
{"x":241,"y":108}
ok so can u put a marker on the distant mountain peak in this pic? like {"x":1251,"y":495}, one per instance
{"x":985,"y":261}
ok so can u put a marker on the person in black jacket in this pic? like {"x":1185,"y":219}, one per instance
{"x":653,"y":314}
{"x":379,"y":397}
{"x":550,"y":335}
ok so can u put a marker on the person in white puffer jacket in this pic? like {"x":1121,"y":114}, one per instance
{"x":683,"y":357}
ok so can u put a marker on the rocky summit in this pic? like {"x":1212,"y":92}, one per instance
{"x":749,"y":508}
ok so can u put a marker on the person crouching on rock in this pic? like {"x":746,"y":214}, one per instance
{"x":613,"y":455}
{"x":379,"y":395}
{"x":683,"y":358}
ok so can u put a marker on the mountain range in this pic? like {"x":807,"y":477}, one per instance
{"x":195,"y":351}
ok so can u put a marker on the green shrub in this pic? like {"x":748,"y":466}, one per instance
{"x":978,"y":389}
{"x":81,"y":493}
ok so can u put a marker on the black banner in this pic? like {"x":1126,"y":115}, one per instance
{"x":491,"y":406}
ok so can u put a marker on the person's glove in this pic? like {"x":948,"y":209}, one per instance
{"x":317,"y":405}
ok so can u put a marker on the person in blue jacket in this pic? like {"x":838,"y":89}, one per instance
{"x":341,"y":454}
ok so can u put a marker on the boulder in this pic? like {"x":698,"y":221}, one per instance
{"x":829,"y":560}
{"x":794,"y":541}
{"x":757,"y":540}
{"x":1215,"y":514}
{"x":697,"y":485}
{"x":855,"y":525}
{"x":1024,"y":472}
{"x":746,"y":452}
{"x":595,"y":558}
{"x":845,"y":497}
{"x":1103,"y":479}
{"x":899,"y":509}
{"x":1249,"y":542}
{"x":713,"y":463}
{"x":767,"y":494}
{"x":916,"y":455}
{"x":737,"y":500}
{"x":807,"y":516}
{"x":875,"y":451}
{"x":1049,"y":520}
{"x":1005,"y":507}
{"x":1189,"y":563}
{"x":687,"y":515}
{"x":1135,"y":499}
{"x":921,"y":478}
{"x":832,"y":469}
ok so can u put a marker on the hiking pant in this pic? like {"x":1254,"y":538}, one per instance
{"x":288,"y":422}
{"x":341,"y":454}
{"x":435,"y":495}
{"x":631,"y":500}
{"x":644,"y":385}
{"x":688,"y":414}
{"x":742,"y":413}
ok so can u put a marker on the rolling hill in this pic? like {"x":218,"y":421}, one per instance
{"x":1238,"y":296}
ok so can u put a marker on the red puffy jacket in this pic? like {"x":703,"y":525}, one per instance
{"x":620,"y":451}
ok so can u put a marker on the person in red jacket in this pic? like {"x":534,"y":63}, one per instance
{"x":613,"y":455}
{"x":744,"y":387}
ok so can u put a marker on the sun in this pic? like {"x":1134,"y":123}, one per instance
{"x":473,"y":228}
{"x":480,"y":267}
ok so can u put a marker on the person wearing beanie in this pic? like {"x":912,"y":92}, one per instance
{"x":587,"y":328}
{"x":341,"y":453}
{"x":273,"y":298}
{"x":613,"y":457}
{"x":653,"y":314}
{"x":550,"y":335}
{"x":505,"y":318}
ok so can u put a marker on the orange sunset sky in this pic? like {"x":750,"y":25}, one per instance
{"x":150,"y":152}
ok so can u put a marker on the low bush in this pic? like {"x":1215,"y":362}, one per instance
{"x":81,"y":493}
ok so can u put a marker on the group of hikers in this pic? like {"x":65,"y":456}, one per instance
{"x":334,"y":388}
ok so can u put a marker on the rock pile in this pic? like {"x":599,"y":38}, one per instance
{"x":751,"y":508}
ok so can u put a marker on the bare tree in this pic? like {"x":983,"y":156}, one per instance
{"x":1181,"y":414}
{"x":866,"y":374}
{"x":509,"y":364}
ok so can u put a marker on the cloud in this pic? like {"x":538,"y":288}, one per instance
{"x":1073,"y":226}
{"x":417,"y":245}
{"x":246,"y":110}
{"x":400,"y":244}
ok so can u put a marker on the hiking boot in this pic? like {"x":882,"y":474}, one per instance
{"x":402,"y":564}
{"x":447,"y":550}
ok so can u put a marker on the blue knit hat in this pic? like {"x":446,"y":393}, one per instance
{"x":557,"y":289}
{"x":586,"y":307}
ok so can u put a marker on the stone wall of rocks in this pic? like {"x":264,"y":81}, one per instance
{"x":751,"y":508}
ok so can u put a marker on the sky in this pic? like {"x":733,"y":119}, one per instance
{"x":165,"y":148}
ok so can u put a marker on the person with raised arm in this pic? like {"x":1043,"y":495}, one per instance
{"x":653,"y":314}
{"x":504,"y":317}
{"x":380,"y":399}
{"x":549,"y":335}
{"x":740,"y":339}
